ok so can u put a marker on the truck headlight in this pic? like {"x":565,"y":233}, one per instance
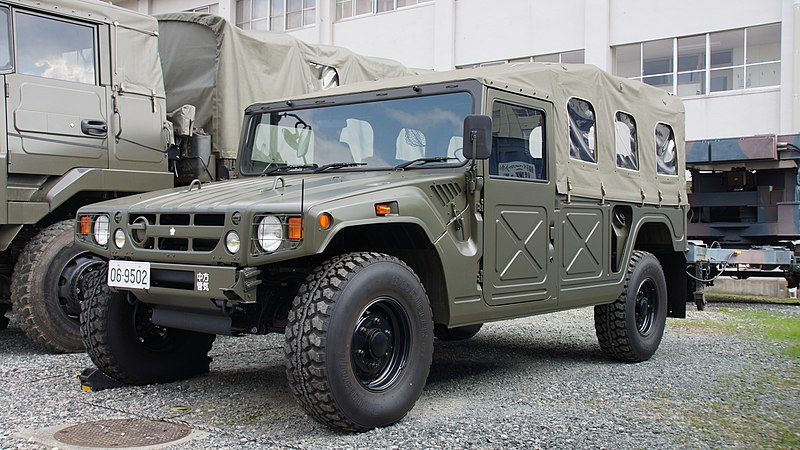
{"x":101,"y":230}
{"x":232,"y":242}
{"x":269,"y":234}
{"x":119,"y":238}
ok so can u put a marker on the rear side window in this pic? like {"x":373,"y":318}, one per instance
{"x":5,"y":42}
{"x":627,"y":147}
{"x":666,"y":151}
{"x":582,"y":133}
{"x":518,"y":142}
{"x":56,"y":49}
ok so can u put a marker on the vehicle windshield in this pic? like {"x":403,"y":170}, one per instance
{"x":385,"y":134}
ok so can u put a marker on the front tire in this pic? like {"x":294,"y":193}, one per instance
{"x":47,"y":288}
{"x":630,"y":329}
{"x":123,"y":342}
{"x":359,"y":341}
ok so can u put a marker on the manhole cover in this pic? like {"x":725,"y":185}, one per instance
{"x":121,"y":433}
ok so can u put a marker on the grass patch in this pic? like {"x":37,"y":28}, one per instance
{"x":756,"y":408}
{"x":739,"y":298}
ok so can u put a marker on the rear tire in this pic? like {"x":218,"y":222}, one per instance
{"x":630,"y":329}
{"x":47,"y":288}
{"x":456,"y":334}
{"x":359,"y":341}
{"x":123,"y":342}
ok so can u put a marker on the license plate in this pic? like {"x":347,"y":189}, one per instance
{"x":129,"y":274}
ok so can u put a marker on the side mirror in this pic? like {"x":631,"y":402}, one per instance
{"x":477,"y":137}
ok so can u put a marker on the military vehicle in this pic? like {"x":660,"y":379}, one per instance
{"x":745,"y":210}
{"x":369,"y":219}
{"x":88,"y":91}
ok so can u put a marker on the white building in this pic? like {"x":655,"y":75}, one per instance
{"x":735,"y":63}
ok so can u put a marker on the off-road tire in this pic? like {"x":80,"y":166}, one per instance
{"x":630,"y":328}
{"x":43,"y":315}
{"x":129,"y":348}
{"x":334,"y":316}
{"x":4,"y":308}
{"x":457,"y":333}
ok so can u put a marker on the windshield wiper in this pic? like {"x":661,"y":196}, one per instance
{"x":338,"y":165}
{"x":280,"y":169}
{"x":429,"y":159}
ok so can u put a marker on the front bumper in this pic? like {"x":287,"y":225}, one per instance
{"x":199,"y":287}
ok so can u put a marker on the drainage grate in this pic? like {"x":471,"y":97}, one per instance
{"x":121,"y":433}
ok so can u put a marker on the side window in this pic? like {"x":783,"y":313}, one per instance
{"x":626,"y":143}
{"x":666,"y":151}
{"x":55,"y":49}
{"x":5,"y":42}
{"x":517,"y":142}
{"x":582,"y":133}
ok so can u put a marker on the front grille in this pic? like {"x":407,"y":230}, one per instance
{"x":176,"y":232}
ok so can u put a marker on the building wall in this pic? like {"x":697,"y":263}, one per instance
{"x":443,"y":34}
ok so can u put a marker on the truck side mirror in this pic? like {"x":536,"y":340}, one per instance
{"x":477,"y":137}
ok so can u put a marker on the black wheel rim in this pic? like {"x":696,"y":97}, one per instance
{"x":381,"y":343}
{"x":70,"y":285}
{"x":646,"y":307}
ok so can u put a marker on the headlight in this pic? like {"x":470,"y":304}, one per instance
{"x":101,"y":230}
{"x":270,"y":233}
{"x":119,"y":238}
{"x":232,"y":242}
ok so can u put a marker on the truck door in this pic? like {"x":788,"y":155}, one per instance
{"x":56,"y":109}
{"x":5,"y":68}
{"x":519,"y":198}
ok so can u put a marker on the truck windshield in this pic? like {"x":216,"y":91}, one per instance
{"x":376,"y":135}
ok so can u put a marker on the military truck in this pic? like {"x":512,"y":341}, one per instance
{"x":370,"y":219}
{"x":88,"y":91}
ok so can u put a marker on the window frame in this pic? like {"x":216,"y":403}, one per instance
{"x":636,"y":151}
{"x":373,"y":10}
{"x":11,"y":39}
{"x":282,"y":17}
{"x":95,"y":43}
{"x":674,"y":139}
{"x":707,"y":70}
{"x":569,"y":131}
{"x":540,"y":178}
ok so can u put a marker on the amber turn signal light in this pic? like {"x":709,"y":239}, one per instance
{"x":325,"y":221}
{"x":295,"y":228}
{"x":86,"y":225}
{"x":383,"y":209}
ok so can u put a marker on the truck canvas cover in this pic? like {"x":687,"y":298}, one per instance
{"x":558,"y":83}
{"x":220,"y":69}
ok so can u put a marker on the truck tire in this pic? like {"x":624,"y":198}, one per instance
{"x":443,"y":333}
{"x":123,"y":342}
{"x":359,"y":341}
{"x":630,"y":329}
{"x":47,"y":288}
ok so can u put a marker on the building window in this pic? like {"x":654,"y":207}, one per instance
{"x":275,"y":15}
{"x":571,"y":57}
{"x":351,"y":8}
{"x":208,"y":9}
{"x":713,"y":62}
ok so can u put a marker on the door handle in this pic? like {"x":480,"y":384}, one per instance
{"x":93,"y":127}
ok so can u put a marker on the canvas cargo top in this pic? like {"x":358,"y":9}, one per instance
{"x":135,"y":64}
{"x":608,"y":94}
{"x":221,"y":69}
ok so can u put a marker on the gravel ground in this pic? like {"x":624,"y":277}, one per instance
{"x":539,"y":382}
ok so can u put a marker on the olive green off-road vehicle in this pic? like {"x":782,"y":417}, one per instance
{"x":88,"y":88}
{"x":372,"y":219}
